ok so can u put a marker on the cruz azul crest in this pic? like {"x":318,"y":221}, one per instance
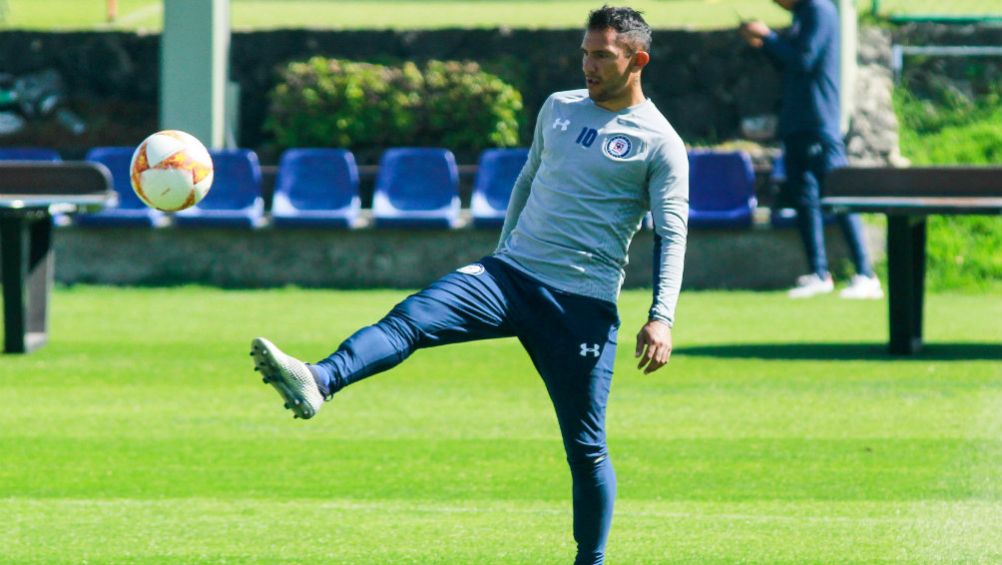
{"x":618,"y":146}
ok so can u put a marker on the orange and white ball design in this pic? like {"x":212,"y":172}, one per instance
{"x":171,"y":170}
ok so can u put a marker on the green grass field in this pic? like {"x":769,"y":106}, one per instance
{"x":397,"y":14}
{"x":780,"y":433}
{"x":425,"y":14}
{"x":921,"y":8}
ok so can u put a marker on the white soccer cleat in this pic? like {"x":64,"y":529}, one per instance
{"x":290,"y":377}
{"x":863,"y":288}
{"x":811,"y":285}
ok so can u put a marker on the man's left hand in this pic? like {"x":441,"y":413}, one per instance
{"x":653,"y":346}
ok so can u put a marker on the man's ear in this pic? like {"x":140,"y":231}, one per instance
{"x":640,"y":59}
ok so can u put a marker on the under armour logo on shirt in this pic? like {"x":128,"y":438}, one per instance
{"x":562,"y":124}
{"x":587,"y":350}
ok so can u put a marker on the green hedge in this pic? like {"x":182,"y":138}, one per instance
{"x":333,"y":103}
{"x":466,"y":107}
{"x":946,"y":128}
{"x":366,"y":107}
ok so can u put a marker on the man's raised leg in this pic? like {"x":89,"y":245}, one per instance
{"x":464,"y":305}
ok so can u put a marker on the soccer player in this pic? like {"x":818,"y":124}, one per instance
{"x":808,"y":55}
{"x":601,"y":157}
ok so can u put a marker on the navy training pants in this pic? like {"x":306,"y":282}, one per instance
{"x":808,"y":159}
{"x":571,"y":340}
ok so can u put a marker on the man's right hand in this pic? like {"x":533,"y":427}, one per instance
{"x":754,"y":32}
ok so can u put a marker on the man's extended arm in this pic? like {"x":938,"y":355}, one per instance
{"x":669,"y":202}
{"x":668,"y":187}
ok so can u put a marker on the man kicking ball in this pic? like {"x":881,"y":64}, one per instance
{"x":600,"y":159}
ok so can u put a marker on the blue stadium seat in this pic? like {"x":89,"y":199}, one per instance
{"x":130,"y":211}
{"x":29,"y":154}
{"x":416,"y":187}
{"x":235,"y":197}
{"x":786,"y":217}
{"x":496,"y":174}
{"x":316,"y":188}
{"x":721,"y":189}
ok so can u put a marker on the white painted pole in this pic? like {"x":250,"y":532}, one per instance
{"x":194,"y":67}
{"x":849,"y":26}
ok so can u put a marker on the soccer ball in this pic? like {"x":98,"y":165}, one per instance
{"x":171,"y":171}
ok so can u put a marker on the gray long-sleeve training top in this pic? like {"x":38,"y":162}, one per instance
{"x":590,"y":177}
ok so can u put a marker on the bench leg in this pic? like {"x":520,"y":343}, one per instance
{"x":906,"y":281}
{"x":27,"y":280}
{"x":40,"y":275}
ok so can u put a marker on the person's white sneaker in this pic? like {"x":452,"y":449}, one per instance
{"x":810,"y":285}
{"x":863,"y":288}
{"x":290,"y":377}
{"x":805,"y":279}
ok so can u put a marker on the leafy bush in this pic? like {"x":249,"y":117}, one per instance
{"x":332,"y":103}
{"x":328,"y":102}
{"x":468,"y":108}
{"x":947,"y":129}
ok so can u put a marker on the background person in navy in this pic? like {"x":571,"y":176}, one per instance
{"x":808,"y":55}
{"x":601,"y":157}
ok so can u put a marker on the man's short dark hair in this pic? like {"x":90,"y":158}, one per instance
{"x":627,"y":22}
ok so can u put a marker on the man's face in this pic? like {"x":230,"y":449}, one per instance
{"x":606,"y":64}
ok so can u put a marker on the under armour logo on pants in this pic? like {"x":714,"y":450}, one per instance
{"x":587,"y":350}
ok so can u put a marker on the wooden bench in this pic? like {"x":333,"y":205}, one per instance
{"x":908,"y":197}
{"x":30,"y":192}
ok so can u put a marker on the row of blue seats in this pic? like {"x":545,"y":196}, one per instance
{"x":315,"y":187}
{"x":415,"y":187}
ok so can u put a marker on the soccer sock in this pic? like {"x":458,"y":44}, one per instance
{"x":322,"y":378}
{"x":594,"y":493}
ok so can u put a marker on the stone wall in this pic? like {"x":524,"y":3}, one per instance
{"x":373,"y":258}
{"x":872,"y":139}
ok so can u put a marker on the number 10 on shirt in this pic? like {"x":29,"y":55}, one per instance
{"x":586,"y":137}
